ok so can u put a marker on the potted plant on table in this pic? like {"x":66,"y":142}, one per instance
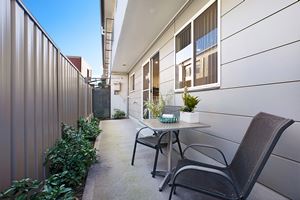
{"x":187,"y":113}
{"x":155,"y":107}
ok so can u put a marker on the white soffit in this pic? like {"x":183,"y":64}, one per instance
{"x":143,"y":21}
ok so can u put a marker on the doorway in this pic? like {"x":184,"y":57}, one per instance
{"x":150,"y":83}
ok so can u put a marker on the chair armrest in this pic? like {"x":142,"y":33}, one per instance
{"x":139,"y":131}
{"x":161,"y":135}
{"x":208,"y":170}
{"x":207,"y":146}
{"x":164,"y":133}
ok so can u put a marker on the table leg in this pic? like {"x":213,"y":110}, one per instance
{"x":165,"y":181}
{"x":170,"y":148}
{"x":169,"y":169}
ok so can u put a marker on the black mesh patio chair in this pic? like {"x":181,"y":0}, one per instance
{"x":158,"y":140}
{"x":234,"y":181}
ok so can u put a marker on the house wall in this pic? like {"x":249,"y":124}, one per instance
{"x":84,"y":67}
{"x":39,"y":89}
{"x":260,"y":45}
{"x":119,"y":99}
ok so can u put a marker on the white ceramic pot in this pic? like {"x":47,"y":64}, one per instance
{"x":189,"y":117}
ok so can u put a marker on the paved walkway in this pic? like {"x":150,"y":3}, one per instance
{"x":113,"y":178}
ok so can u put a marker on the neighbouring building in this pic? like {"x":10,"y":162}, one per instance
{"x":239,"y":57}
{"x":81,"y":64}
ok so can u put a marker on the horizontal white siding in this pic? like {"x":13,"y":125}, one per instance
{"x":285,"y":61}
{"x":280,"y":99}
{"x":259,"y":72}
{"x":228,"y":5}
{"x":279,"y":29}
{"x":243,"y":16}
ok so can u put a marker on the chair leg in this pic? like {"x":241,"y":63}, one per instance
{"x":179,"y":146}
{"x":171,"y":192}
{"x":161,"y":150}
{"x":155,"y":162}
{"x":174,"y":192}
{"x":133,"y":154}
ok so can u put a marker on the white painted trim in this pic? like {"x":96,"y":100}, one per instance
{"x":142,"y":89}
{"x":129,"y":81}
{"x":192,"y":53}
{"x":191,"y":21}
{"x":219,"y":43}
{"x":148,"y":60}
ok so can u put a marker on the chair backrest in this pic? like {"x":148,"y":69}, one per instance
{"x":258,"y":143}
{"x":175,"y":110}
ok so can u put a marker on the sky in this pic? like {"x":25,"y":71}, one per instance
{"x":74,"y":26}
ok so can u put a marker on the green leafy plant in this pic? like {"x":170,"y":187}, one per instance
{"x":22,"y":189}
{"x":155,"y":108}
{"x":119,"y":114}
{"x":51,"y":189}
{"x":190,"y":102}
{"x":89,"y":130}
{"x":54,"y":188}
{"x":74,"y":154}
{"x":68,"y":161}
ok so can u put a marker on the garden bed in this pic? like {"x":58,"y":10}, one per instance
{"x":68,"y":162}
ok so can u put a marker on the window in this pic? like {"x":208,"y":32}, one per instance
{"x":184,"y":75}
{"x":196,"y":47}
{"x":183,"y":58}
{"x":183,"y":38}
{"x":205,"y":47}
{"x":131,"y":82}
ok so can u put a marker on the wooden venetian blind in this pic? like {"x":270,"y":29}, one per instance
{"x":183,"y":38}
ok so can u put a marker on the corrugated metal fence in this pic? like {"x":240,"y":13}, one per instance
{"x":39,"y":89}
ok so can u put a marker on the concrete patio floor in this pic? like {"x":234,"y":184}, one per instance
{"x":113,"y":178}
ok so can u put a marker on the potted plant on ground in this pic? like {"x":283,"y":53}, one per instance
{"x":190,"y":102}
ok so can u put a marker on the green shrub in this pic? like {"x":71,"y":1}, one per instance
{"x":73,"y":155}
{"x":89,"y":130}
{"x":54,"y":188}
{"x":68,"y":161}
{"x":119,"y":114}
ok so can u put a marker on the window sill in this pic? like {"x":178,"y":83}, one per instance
{"x":212,"y":86}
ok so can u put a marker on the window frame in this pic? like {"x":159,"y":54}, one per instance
{"x":191,"y":21}
{"x":131,"y":88}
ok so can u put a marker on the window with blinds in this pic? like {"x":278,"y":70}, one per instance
{"x":205,"y":47}
{"x":196,"y":50}
{"x":183,"y":38}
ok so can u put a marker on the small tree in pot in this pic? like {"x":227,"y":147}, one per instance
{"x":155,"y":107}
{"x":190,"y":102}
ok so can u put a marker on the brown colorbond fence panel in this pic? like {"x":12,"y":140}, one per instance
{"x":5,"y":93}
{"x":39,"y":89}
{"x":17,"y":92}
{"x":38,"y":94}
{"x":29,"y":99}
